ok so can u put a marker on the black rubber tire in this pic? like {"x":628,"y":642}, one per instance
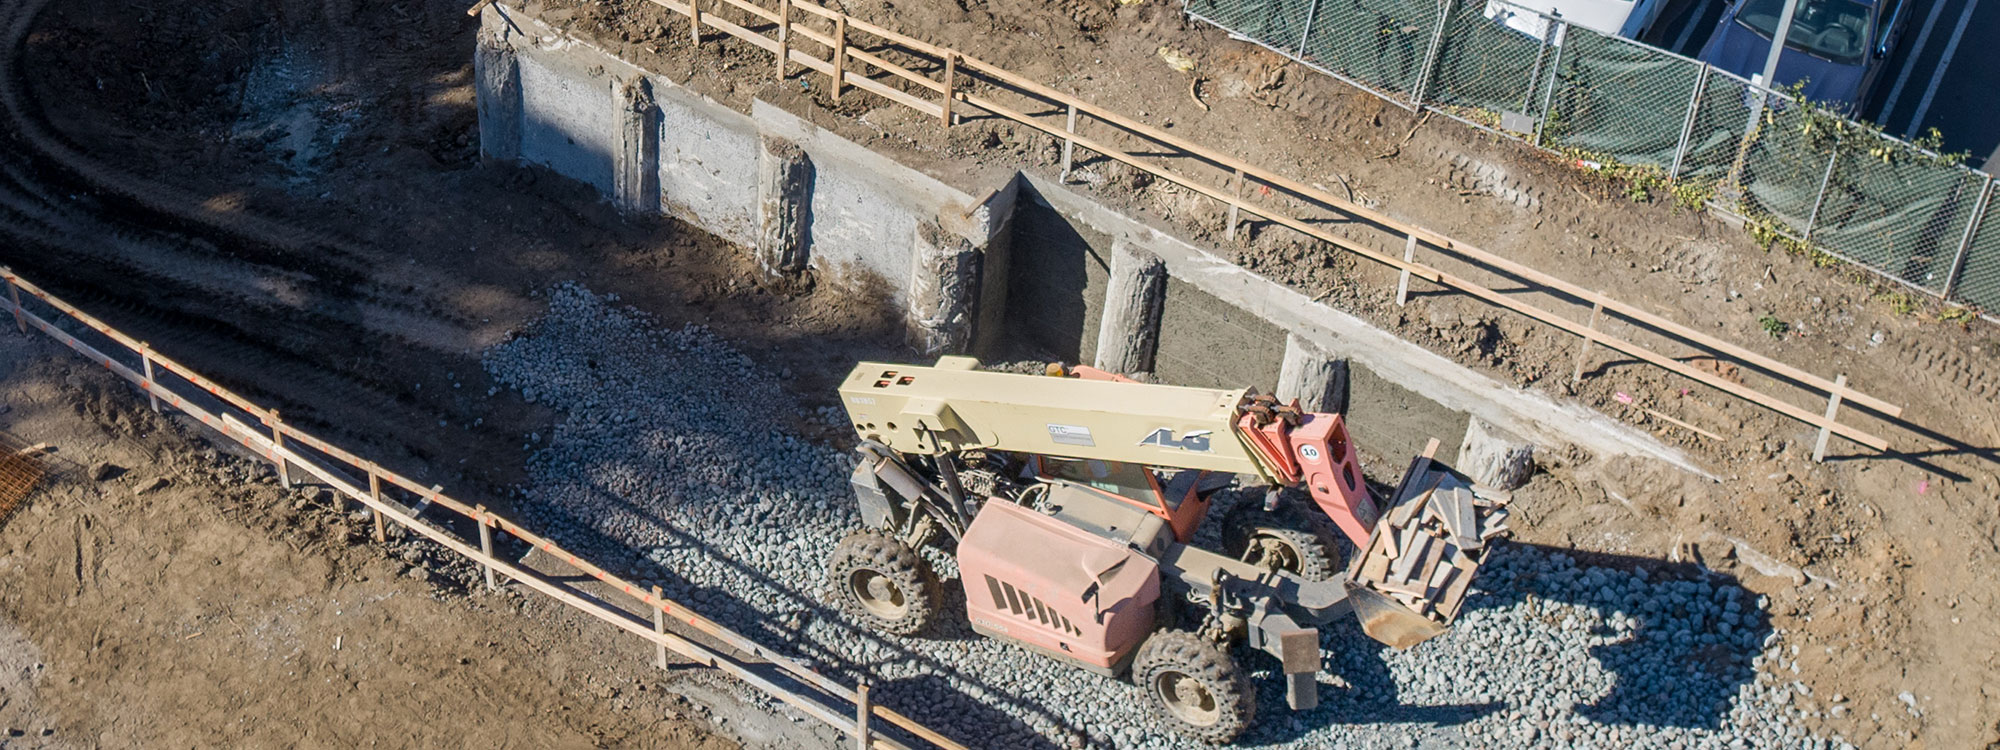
{"x":1174,"y":665}
{"x":1309,"y":544}
{"x":870,"y":560}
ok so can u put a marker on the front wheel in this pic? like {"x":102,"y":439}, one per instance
{"x":1290,"y":539}
{"x":881,"y":581}
{"x":1195,"y":684}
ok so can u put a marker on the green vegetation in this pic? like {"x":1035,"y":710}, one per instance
{"x":1901,"y":303}
{"x":1826,"y":130}
{"x":1772,"y":325}
{"x":1645,"y":183}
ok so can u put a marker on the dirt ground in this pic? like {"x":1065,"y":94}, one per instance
{"x":340,"y":253}
{"x":220,"y":610}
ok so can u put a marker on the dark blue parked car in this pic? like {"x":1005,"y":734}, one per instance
{"x":1836,"y":46}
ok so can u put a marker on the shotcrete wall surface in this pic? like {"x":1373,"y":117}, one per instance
{"x":708,"y":165}
{"x":1045,"y":249}
{"x":1403,"y":394}
{"x":566,"y":118}
{"x":1216,"y":333}
{"x":863,"y":208}
{"x":1055,"y":288}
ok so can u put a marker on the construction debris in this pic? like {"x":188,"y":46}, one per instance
{"x":1437,"y":536}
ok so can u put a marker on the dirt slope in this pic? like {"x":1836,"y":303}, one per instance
{"x":219,"y":610}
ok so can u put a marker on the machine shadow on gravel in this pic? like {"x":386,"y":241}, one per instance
{"x":990,"y":716}
{"x":1659,"y":638}
{"x":1689,"y":643}
{"x":994,"y":725}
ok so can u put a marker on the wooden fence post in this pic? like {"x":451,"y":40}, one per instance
{"x":486,"y":544}
{"x":839,"y":55}
{"x":1403,"y":279}
{"x":694,"y":21}
{"x":1230,"y":234}
{"x":660,"y":628}
{"x":1832,"y":408}
{"x":862,"y":710}
{"x":1589,"y":337}
{"x":950,"y":85}
{"x":146,"y":359}
{"x":278,"y":443}
{"x":15,"y":293}
{"x":784,"y":36}
{"x":375,"y":491}
{"x":1069,"y":145}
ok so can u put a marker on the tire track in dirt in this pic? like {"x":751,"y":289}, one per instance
{"x":265,"y":248}
{"x":295,"y":317}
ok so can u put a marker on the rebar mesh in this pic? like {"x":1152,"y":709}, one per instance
{"x":1492,"y":56}
{"x":1901,"y":214}
{"x":1379,"y":43}
{"x":19,"y":473}
{"x":1619,"y":100}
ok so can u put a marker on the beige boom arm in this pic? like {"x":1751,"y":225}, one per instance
{"x":953,"y":407}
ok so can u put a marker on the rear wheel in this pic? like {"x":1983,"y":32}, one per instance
{"x":881,"y":581}
{"x":1288,"y":539}
{"x":1195,"y":684}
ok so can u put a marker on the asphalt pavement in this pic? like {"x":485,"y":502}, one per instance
{"x":1943,"y":71}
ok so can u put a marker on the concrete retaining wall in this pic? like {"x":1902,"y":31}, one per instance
{"x":862,"y":209}
{"x":1044,"y":257}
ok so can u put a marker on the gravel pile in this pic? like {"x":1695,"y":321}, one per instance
{"x":673,"y":458}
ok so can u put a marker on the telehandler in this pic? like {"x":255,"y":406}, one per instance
{"x":1071,"y":503}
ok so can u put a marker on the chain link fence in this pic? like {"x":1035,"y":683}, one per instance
{"x":1831,"y":186}
{"x":1485,"y":68}
{"x":1976,"y":281}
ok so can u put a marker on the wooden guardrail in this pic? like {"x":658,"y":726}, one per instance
{"x":962,"y":78}
{"x":366,"y":482}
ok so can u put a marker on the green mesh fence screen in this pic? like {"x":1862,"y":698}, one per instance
{"x":1721,"y":117}
{"x":1618,"y":99}
{"x":1783,"y":167}
{"x":1278,"y":23}
{"x":1239,"y":17}
{"x":1979,"y":282}
{"x":1485,"y":63}
{"x":1903,"y":216}
{"x":1379,"y":43}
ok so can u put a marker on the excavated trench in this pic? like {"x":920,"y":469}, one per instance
{"x":371,"y":332}
{"x":358,"y":314}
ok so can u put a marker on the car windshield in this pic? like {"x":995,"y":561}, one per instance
{"x":1835,"y":30}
